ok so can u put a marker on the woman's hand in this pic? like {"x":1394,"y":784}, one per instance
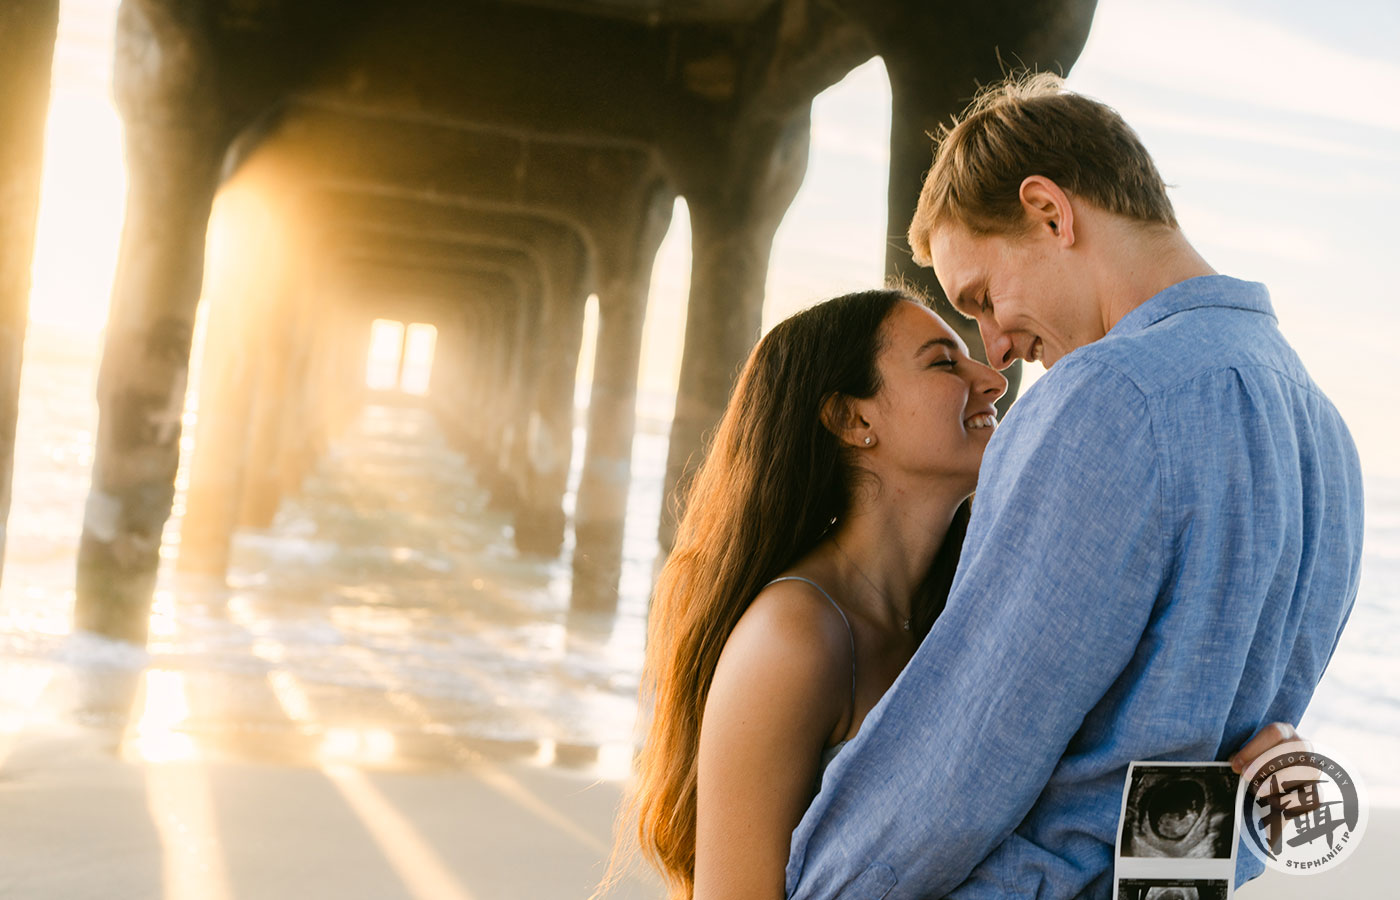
{"x":1264,"y":740}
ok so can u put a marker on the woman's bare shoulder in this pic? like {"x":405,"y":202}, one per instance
{"x":798,"y":612}
{"x":794,"y":638}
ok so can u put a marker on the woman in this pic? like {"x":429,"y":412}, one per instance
{"x":818,"y":545}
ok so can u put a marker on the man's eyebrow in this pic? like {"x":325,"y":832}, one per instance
{"x":965,"y":301}
{"x":933,"y":342}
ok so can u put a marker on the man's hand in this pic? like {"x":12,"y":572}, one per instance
{"x":1264,"y":740}
{"x":1272,"y":740}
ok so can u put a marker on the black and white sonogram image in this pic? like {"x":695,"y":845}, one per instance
{"x":1180,"y":812}
{"x":1172,"y":889}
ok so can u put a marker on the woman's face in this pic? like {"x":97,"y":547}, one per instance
{"x":934,"y":412}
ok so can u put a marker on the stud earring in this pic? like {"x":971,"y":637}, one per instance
{"x":867,"y":440}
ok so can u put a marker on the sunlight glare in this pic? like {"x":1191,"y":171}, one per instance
{"x":82,"y":197}
{"x":385,"y":349}
{"x":420,"y":342}
{"x":368,"y":746}
{"x":164,"y":708}
{"x":588,"y":351}
{"x":162,"y":618}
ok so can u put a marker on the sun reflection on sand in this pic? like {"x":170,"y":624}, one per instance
{"x":341,"y":750}
{"x":178,"y":793}
{"x":162,"y":622}
{"x":368,"y":746}
{"x":155,"y":734}
{"x":21,"y":686}
{"x":419,"y":867}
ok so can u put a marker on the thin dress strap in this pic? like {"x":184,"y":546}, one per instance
{"x":849,"y":632}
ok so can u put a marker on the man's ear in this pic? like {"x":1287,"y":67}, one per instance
{"x":839,"y":416}
{"x":1048,"y":209}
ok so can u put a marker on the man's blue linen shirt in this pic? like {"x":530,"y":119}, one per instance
{"x":1164,"y":547}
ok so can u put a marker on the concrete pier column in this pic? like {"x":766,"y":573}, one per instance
{"x":519,"y":392}
{"x":451,"y":363}
{"x":276,"y":392}
{"x":736,"y":200}
{"x":27,"y":32}
{"x":549,"y":438}
{"x":454,"y":394}
{"x":503,"y":391}
{"x":216,"y":471}
{"x":493,"y":349}
{"x":469,"y":372}
{"x":464,"y":389}
{"x":350,"y":328}
{"x":444,"y":394}
{"x":303,"y":434}
{"x":227,"y":385}
{"x":624,"y":263}
{"x":304,"y":438}
{"x":174,"y":145}
{"x":239,"y":294}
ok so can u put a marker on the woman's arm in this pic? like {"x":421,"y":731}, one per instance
{"x":780,"y":692}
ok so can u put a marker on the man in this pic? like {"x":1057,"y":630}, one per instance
{"x":1164,"y":546}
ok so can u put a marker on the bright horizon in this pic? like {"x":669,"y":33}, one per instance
{"x":1277,"y":178}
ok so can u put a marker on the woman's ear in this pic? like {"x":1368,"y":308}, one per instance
{"x":840,"y":417}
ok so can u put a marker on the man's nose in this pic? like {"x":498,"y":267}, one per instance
{"x":998,"y":345}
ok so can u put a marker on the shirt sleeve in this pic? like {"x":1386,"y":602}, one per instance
{"x":1065,"y":556}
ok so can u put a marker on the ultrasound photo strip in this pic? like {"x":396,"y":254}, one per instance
{"x":1173,"y":889}
{"x":1178,"y":832}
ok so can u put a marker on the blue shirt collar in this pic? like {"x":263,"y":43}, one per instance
{"x":1194,"y":293}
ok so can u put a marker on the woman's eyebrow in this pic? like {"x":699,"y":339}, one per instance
{"x":933,"y":342}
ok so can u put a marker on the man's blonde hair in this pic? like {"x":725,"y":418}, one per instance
{"x":1029,"y":125}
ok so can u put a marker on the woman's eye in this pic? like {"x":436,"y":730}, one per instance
{"x":986,"y":304}
{"x":950,"y":363}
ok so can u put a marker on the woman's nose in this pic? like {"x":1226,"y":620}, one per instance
{"x":992,"y":383}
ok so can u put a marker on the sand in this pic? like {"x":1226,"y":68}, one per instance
{"x":77,"y":822}
{"x":97,"y":804}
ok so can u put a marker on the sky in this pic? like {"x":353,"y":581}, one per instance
{"x":1277,"y":123}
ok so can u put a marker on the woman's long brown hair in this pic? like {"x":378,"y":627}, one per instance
{"x":773,"y":481}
